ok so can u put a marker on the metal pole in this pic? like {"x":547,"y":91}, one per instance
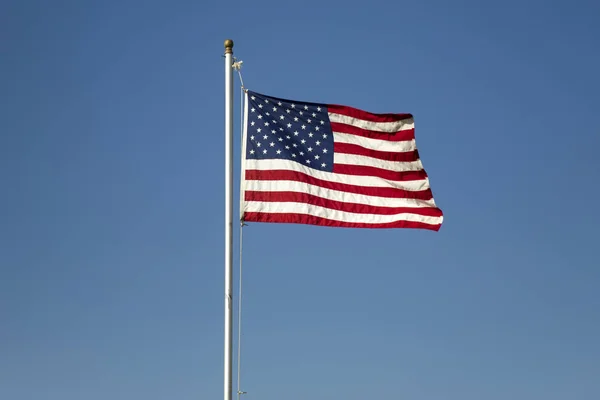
{"x":228,"y":217}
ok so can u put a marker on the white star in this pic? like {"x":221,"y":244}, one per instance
{"x":306,"y":107}
{"x":287,"y":111}
{"x":323,"y":165}
{"x":314,"y":115}
{"x":295,"y":145}
{"x":252,"y":137}
{"x":265,"y":137}
{"x":274,"y":109}
{"x":273,"y":131}
{"x":253,"y":109}
{"x":303,"y":126}
{"x":288,"y":137}
{"x":251,"y":151}
{"x":293,"y":155}
{"x":266,"y":124}
{"x":278,"y":151}
{"x":301,"y":153}
{"x":287,"y":147}
{"x":319,"y":109}
{"x":272,"y":144}
{"x":258,"y":144}
{"x":258,"y":130}
{"x":260,"y":106}
{"x":279,"y":104}
{"x":318,"y":142}
{"x":310,"y":149}
{"x":281,"y":117}
{"x":293,"y":105}
{"x":322,"y":122}
{"x":324,"y":136}
{"x":252,"y":123}
{"x":325,"y":150}
{"x":265,"y":151}
{"x":310,"y":134}
{"x":308,"y":161}
{"x":317,"y":128}
{"x":267,"y":114}
{"x":317,"y":157}
{"x":266,"y":101}
{"x":289,"y":125}
{"x":300,"y":112}
{"x":259,"y":116}
{"x":280,"y":139}
{"x":253,"y":98}
{"x":309,"y":120}
{"x":295,"y":119}
{"x":303,"y":141}
{"x":295,"y":133}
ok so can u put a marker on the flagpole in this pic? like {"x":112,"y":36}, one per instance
{"x":228,"y":217}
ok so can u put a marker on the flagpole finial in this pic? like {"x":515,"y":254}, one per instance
{"x":228,"y":46}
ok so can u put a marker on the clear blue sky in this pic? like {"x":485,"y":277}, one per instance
{"x":111,"y":211}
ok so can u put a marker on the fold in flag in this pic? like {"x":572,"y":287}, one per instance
{"x":332,"y":165}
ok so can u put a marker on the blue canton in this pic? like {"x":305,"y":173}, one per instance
{"x":289,"y":130}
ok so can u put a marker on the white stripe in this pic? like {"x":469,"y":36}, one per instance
{"x":370,"y":181}
{"x":375,"y":144}
{"x":396,"y":166}
{"x":394,"y":126}
{"x":336,"y":215}
{"x":335,"y":195}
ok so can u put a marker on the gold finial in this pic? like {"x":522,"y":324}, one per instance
{"x":228,"y":46}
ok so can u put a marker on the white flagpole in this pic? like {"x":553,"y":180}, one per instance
{"x":228,"y":217}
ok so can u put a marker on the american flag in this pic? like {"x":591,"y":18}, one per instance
{"x":332,"y":165}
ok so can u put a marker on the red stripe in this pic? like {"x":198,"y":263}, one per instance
{"x":349,"y":148}
{"x":361,"y":170}
{"x":400,"y":136}
{"x":390,"y":192}
{"x":295,"y":197}
{"x":312,"y":220}
{"x":367,"y":116}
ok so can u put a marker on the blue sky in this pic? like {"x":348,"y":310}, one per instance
{"x":111,"y":214}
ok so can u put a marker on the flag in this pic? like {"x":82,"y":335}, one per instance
{"x":332,"y":165}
